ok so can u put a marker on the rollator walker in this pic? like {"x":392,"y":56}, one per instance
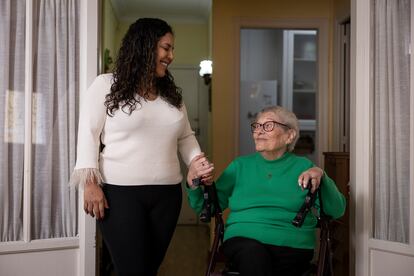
{"x":211,"y":208}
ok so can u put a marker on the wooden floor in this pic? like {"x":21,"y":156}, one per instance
{"x":187,"y":254}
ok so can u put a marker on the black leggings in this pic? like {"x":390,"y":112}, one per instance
{"x":251,"y":257}
{"x":138,"y":226}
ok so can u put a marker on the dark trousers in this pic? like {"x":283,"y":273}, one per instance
{"x":251,"y":257}
{"x":138,"y":226}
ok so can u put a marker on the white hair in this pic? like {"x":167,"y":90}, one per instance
{"x":287,"y":117}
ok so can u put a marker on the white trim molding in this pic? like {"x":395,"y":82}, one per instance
{"x":360,"y":135}
{"x":369,"y":256}
{"x":89,"y":43}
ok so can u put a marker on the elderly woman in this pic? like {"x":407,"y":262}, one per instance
{"x":262,"y":192}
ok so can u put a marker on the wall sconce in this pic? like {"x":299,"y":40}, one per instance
{"x":206,"y":68}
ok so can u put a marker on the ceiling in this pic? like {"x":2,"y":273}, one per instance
{"x":170,"y":10}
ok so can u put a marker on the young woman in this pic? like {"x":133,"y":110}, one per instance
{"x":137,"y":115}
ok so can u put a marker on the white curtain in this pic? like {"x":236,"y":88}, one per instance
{"x":55,"y":97}
{"x":391,"y":92}
{"x":12,"y":55}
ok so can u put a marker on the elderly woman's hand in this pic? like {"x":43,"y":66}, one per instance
{"x":200,"y":167}
{"x":314,"y":175}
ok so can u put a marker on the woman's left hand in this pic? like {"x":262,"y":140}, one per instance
{"x":314,"y":175}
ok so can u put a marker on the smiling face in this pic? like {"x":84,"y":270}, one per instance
{"x":272,"y":144}
{"x":165,"y":54}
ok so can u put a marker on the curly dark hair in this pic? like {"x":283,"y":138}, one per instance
{"x":135,"y":68}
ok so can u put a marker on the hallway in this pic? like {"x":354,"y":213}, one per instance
{"x":187,"y":254}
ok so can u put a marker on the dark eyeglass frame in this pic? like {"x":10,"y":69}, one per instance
{"x":255,"y":126}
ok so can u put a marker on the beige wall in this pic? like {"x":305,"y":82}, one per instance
{"x":342,"y":9}
{"x":110,"y":26}
{"x":225,"y":16}
{"x":120,"y":32}
{"x":191,"y":41}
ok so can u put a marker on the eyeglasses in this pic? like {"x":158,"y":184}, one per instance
{"x":266,"y":126}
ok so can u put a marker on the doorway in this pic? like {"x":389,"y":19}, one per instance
{"x":279,"y":67}
{"x":342,"y":90}
{"x":195,"y":97}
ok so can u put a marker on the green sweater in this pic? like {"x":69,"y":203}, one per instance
{"x":264,"y":196}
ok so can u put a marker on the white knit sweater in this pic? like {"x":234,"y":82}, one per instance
{"x":140,"y":148}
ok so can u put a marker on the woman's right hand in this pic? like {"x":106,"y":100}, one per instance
{"x":94,"y":201}
{"x":200,"y":167}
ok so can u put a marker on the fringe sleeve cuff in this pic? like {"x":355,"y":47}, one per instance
{"x":80,"y":176}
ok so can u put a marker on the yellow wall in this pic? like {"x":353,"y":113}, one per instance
{"x":225,"y":16}
{"x":120,"y":32}
{"x":191,"y":41}
{"x":342,"y":9}
{"x":110,"y":25}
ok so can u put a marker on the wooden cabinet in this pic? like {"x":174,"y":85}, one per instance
{"x":337,"y":168}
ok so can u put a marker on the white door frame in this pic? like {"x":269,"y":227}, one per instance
{"x":89,"y":42}
{"x":194,"y":97}
{"x":67,"y":255}
{"x":359,"y":136}
{"x":341,"y":91}
{"x":367,"y":254}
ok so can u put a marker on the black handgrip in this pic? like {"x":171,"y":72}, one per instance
{"x":205,"y":214}
{"x":305,"y":208}
{"x":211,"y":206}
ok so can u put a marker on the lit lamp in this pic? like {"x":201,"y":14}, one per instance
{"x":206,"y":68}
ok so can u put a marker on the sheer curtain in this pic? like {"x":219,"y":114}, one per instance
{"x":12,"y":55}
{"x":391,"y":67}
{"x":55,"y":97}
{"x":55,"y":83}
